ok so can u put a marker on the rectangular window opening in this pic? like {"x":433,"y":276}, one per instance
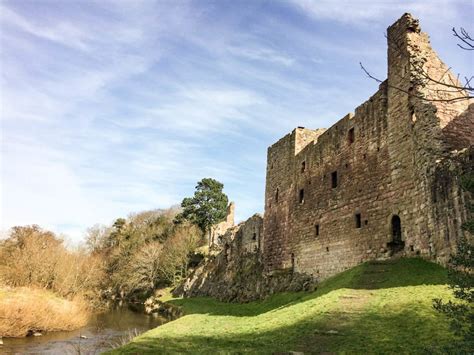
{"x":316,"y":229}
{"x":358,"y":220}
{"x":334,"y":179}
{"x":301,"y":196}
{"x":303,"y":166}
{"x":350,"y":136}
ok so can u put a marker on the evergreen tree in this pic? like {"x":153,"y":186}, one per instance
{"x":207,"y":207}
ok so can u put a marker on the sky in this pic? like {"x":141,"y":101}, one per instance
{"x":114,"y":107}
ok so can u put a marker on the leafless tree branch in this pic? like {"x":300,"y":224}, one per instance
{"x":465,"y":38}
{"x":453,"y":99}
{"x":445,"y":83}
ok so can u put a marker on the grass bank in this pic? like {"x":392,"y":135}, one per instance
{"x":25,"y":310}
{"x":377,"y":307}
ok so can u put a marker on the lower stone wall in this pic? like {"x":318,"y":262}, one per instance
{"x":240,"y":280}
{"x":236,"y":272}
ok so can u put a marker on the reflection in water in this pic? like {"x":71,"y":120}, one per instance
{"x":104,"y":331}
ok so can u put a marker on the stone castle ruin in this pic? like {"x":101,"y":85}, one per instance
{"x":379,"y":183}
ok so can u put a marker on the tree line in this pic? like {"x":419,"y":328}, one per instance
{"x":128,"y":259}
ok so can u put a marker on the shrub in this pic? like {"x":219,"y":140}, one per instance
{"x":25,"y":310}
{"x":35,"y":257}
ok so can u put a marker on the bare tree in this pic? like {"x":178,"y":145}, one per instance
{"x":466,"y":39}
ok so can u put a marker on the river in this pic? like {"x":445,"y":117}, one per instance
{"x":103,"y":332}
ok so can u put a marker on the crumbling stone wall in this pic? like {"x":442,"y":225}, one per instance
{"x":245,"y":237}
{"x":220,"y":228}
{"x":236,"y":272}
{"x":363,"y":189}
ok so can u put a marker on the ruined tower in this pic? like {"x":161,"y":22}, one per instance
{"x":381,"y":182}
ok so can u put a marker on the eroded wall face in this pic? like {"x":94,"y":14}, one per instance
{"x":244,"y":238}
{"x":248,"y":238}
{"x":394,"y":160}
{"x":433,"y":131}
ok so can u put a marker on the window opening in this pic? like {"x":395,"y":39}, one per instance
{"x":350,"y":136}
{"x":334,"y":179}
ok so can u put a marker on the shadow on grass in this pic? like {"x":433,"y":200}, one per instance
{"x":369,"y":276}
{"x":411,"y":330}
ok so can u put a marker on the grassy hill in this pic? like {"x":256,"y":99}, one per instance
{"x":376,"y":307}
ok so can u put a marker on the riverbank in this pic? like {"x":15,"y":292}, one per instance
{"x":26,"y":311}
{"x":377,"y":307}
{"x":106,"y":330}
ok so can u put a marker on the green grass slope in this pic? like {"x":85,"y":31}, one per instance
{"x":376,"y":307}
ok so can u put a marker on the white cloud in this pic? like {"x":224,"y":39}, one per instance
{"x":64,"y":33}
{"x":359,"y":11}
{"x":261,"y":54}
{"x":197,"y":111}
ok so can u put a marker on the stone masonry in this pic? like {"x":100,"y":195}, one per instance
{"x":381,"y":182}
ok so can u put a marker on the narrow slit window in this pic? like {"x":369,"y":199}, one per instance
{"x":276,"y":195}
{"x":301,"y":196}
{"x":303,"y":166}
{"x":334,"y":179}
{"x":350,"y":136}
{"x":358,"y":220}
{"x":316,"y":230}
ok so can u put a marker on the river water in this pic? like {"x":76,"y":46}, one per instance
{"x":103,"y":332}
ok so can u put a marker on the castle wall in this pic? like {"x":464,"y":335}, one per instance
{"x":387,"y":157}
{"x":321,"y":231}
{"x":220,"y":228}
{"x":244,"y":238}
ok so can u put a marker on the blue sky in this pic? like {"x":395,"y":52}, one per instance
{"x":113,"y":107}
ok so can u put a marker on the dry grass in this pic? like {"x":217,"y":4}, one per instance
{"x":25,"y":310}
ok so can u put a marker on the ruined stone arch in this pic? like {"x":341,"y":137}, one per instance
{"x":397,"y":238}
